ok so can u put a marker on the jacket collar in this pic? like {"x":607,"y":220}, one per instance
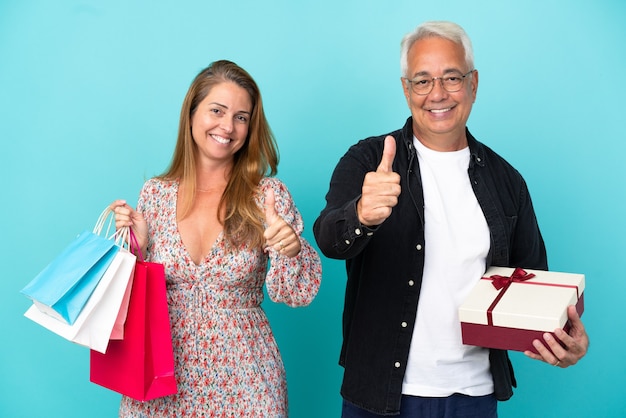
{"x":477,"y":150}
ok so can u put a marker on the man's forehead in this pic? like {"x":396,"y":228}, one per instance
{"x":452,"y":70}
{"x":435,"y":57}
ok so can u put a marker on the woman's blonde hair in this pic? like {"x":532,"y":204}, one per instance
{"x":258,"y":157}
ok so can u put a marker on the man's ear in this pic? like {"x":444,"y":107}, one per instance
{"x":405,"y":88}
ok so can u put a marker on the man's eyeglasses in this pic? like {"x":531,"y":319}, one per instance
{"x":450,"y":82}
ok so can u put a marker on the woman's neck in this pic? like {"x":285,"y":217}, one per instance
{"x":212,"y":178}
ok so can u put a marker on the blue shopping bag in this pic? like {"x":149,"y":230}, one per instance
{"x":62,"y":288}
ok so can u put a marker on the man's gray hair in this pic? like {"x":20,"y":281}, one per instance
{"x":438,"y":29}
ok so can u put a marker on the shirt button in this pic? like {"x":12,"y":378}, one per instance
{"x":357,"y":231}
{"x":404,"y":324}
{"x":419,"y":247}
{"x":347,"y":242}
{"x":397,"y":364}
{"x":369,"y":234}
{"x":411,"y":282}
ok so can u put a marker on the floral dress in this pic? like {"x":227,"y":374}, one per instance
{"x":227,"y":362}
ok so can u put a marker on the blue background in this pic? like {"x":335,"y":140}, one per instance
{"x":90,"y":94}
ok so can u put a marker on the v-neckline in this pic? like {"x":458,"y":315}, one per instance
{"x":204,"y":258}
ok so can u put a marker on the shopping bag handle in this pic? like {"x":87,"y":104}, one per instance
{"x":134,"y":245}
{"x":97,"y":229}
{"x":120,"y":236}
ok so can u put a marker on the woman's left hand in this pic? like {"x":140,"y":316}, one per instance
{"x":279,"y":234}
{"x":576,"y":343}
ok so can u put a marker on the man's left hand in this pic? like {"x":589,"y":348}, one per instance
{"x":575,"y":344}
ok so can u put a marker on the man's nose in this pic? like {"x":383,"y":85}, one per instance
{"x":438,"y":91}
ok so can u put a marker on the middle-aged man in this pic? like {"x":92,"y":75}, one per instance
{"x":419,"y":215}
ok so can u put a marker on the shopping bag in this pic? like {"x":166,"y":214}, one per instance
{"x":103,"y":311}
{"x":63,"y":287}
{"x":141,"y":365}
{"x":118,"y":328}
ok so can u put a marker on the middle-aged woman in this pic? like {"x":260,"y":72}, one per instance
{"x":214,"y":219}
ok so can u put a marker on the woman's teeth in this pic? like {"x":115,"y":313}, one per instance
{"x":220,"y":139}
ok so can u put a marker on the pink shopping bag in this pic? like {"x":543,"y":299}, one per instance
{"x":141,"y":365}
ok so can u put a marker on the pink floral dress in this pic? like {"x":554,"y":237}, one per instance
{"x":227,"y":362}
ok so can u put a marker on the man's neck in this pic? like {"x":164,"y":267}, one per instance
{"x":452,"y":141}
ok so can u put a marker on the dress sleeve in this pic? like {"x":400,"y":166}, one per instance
{"x":145,"y":205}
{"x":294,"y":281}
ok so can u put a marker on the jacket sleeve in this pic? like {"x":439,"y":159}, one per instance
{"x":294,"y":281}
{"x":338,"y":231}
{"x":528,"y":248}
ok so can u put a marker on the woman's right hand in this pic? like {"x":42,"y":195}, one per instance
{"x":125,"y":215}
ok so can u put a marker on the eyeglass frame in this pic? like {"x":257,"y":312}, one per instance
{"x":432,"y":83}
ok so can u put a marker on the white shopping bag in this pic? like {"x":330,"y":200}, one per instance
{"x":118,"y":327}
{"x":94,"y":326}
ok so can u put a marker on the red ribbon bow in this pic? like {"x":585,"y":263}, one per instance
{"x":518,"y":275}
{"x":503,"y":282}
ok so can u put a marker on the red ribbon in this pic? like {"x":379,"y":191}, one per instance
{"x":504,"y":282}
{"x":518,"y":275}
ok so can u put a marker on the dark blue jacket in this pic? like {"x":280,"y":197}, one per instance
{"x":385,"y":263}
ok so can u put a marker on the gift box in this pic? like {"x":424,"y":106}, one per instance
{"x":509,"y":308}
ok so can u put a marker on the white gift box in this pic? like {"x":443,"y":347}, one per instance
{"x":511,"y":317}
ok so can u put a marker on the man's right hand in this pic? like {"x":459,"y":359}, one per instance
{"x":381,"y":189}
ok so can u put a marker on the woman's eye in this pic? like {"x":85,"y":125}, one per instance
{"x":242,"y":119}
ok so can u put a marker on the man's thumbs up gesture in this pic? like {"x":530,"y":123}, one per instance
{"x":381,"y":189}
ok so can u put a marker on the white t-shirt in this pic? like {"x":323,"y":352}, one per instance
{"x":457,"y":243}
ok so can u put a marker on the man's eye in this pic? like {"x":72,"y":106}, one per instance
{"x":420,"y":83}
